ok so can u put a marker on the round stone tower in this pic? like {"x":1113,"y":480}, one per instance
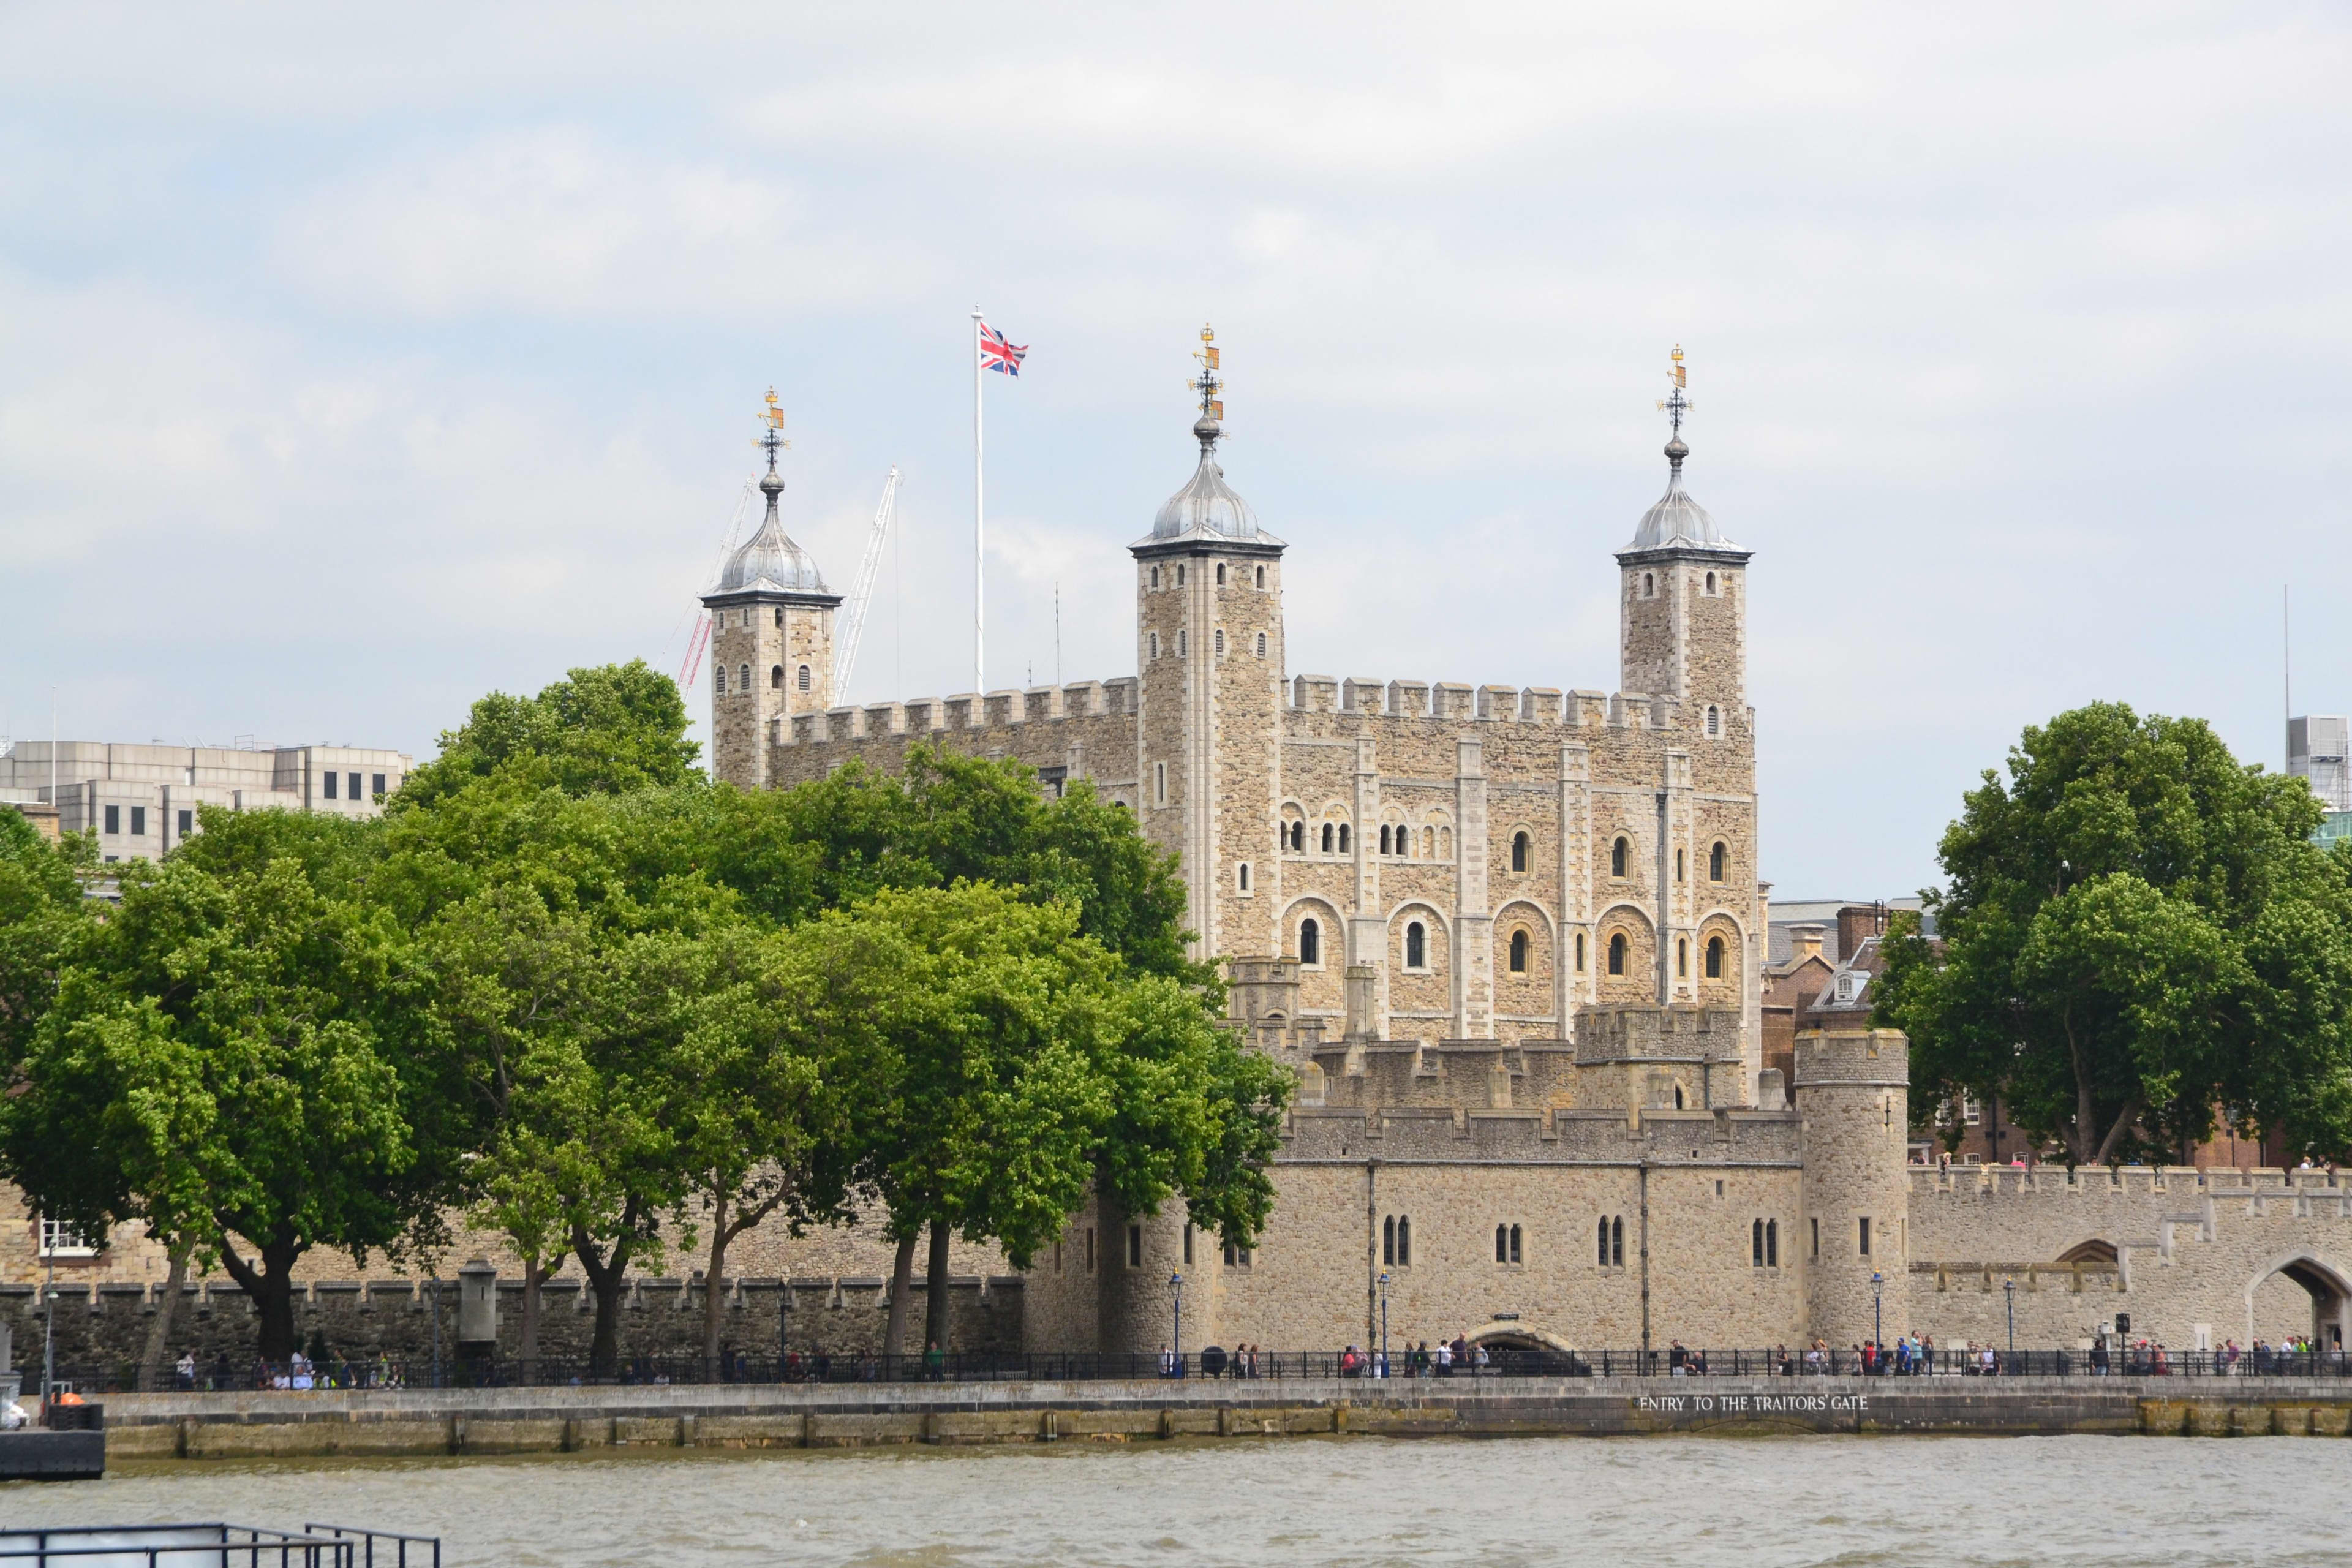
{"x":1852,"y":1093}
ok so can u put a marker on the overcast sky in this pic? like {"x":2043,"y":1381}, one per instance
{"x":355,"y":363}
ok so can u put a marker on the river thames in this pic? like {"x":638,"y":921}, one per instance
{"x":1693,"y":1502}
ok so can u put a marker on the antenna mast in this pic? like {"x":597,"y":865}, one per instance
{"x":853,"y":620}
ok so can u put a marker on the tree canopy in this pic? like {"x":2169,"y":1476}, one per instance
{"x":2139,"y":938}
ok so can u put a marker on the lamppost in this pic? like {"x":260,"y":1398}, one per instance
{"x":1878,"y":1315}
{"x":1384,"y":1322}
{"x":2009,"y":1293}
{"x":1176,"y":1285}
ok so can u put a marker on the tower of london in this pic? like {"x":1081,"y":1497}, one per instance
{"x":1510,"y":938}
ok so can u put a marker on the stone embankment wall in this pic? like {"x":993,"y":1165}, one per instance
{"x":552,"y":1420}
{"x":105,"y":1326}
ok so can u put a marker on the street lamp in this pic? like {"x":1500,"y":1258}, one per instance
{"x":2009,"y":1293}
{"x":1176,"y":1285}
{"x":1878,"y":1314}
{"x":1384,"y":1322}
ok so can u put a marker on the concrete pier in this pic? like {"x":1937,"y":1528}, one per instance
{"x":835,"y":1415}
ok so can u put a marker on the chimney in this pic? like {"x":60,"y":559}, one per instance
{"x":1804,"y":943}
{"x":1357,"y":984}
{"x":1857,"y":922}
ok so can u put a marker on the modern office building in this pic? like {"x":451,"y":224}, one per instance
{"x":142,"y":799}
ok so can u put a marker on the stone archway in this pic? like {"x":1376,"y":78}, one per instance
{"x":1516,"y":1347}
{"x":2327,"y":1285}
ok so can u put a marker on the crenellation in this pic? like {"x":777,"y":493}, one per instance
{"x":1409,"y":698}
{"x":1451,"y":699}
{"x":1539,"y":705}
{"x":1315,"y":694}
{"x":1499,"y":702}
{"x":1001,"y":709}
{"x":885,"y":719}
{"x":1362,"y":696}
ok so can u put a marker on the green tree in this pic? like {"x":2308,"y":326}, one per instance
{"x":42,"y":915}
{"x":213,"y":1063}
{"x":2139,"y":935}
{"x":605,"y":729}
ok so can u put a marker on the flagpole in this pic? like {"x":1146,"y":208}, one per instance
{"x":979,"y":642}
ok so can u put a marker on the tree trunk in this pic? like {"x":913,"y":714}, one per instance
{"x":935,"y":1310}
{"x":902,"y":1285}
{"x":714,"y":1279}
{"x":159,"y":1332}
{"x":608,"y":1275}
{"x":270,"y":1288}
{"x":532,"y":1273}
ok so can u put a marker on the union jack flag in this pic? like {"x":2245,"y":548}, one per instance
{"x":996,"y":354}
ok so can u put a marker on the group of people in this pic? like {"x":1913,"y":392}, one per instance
{"x":1908,"y":1355}
{"x":1242,"y":1360}
{"x":1445,"y":1359}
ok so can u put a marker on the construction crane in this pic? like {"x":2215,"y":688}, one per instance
{"x":853,"y":614}
{"x":699,"y":640}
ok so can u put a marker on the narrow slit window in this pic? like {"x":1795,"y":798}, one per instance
{"x":1261,"y":645}
{"x":1221,"y":640}
{"x":805,"y":678}
{"x":1416,"y":946}
{"x":1682,"y":958}
{"x":1310,"y":942}
{"x":1404,"y":1241}
{"x":1261,"y":576}
{"x":1579,"y":952}
{"x":776,"y":678}
{"x":1771,"y":1244}
{"x":1715,"y":958}
{"x":1518,"y":851}
{"x":1135,"y":1246}
{"x":1388,"y":1242}
{"x":1343,"y":839}
{"x":1715,"y":867}
{"x":1756,"y":1245}
{"x":1328,"y":831}
{"x":1519,"y":953}
{"x":1617,"y":855}
{"x":1617,"y":953}
{"x":1244,"y":875}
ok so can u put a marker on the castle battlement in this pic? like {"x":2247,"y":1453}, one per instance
{"x":2179,"y":1184}
{"x":1453,"y":702}
{"x":965,"y":713}
{"x":1547,"y":1136}
{"x":1609,"y":1034}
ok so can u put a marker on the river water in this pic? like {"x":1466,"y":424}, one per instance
{"x":1692,"y":1502}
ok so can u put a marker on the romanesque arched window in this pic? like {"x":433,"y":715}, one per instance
{"x":1221,"y":634}
{"x":1771,"y":1244}
{"x":1310,"y":942}
{"x":1649,"y":586}
{"x":1261,"y":576}
{"x":718,"y":679}
{"x":1155,"y":576}
{"x":1617,"y":953}
{"x":743,"y":677}
{"x":1221,"y":574}
{"x":1384,"y":838}
{"x":1715,"y":860}
{"x":1682,"y":958}
{"x":1713,"y":720}
{"x":1678,"y":865}
{"x":805,"y":678}
{"x":776,"y":678}
{"x":1388,"y":1242}
{"x":1710,"y":582}
{"x":1617,"y":857}
{"x":1519,"y":953}
{"x":1328,"y":831}
{"x":1261,"y":645}
{"x":1184,"y":642}
{"x":1416,"y":946}
{"x":1579,"y":952}
{"x":1756,"y":1245}
{"x":1518,"y":851}
{"x":1506,"y":1244}
{"x":1715,"y":958}
{"x":779,"y":614}
{"x":1343,"y":839}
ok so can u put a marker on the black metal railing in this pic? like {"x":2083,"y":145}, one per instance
{"x":213,"y":1545}
{"x":2138,"y":1359}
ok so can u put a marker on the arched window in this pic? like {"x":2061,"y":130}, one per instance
{"x":1715,"y":958}
{"x":1261,"y":576}
{"x":1261,"y":645}
{"x":1502,"y":1243}
{"x":1518,"y":851}
{"x":1328,"y":831}
{"x":1515,"y":1244}
{"x":1243,"y":870}
{"x":1428,"y":843}
{"x":1388,"y":1242}
{"x":1179,"y":574}
{"x":1710,"y":582}
{"x":1183,"y":643}
{"x":1155,"y":645}
{"x":1343,"y":839}
{"x":1649,"y":586}
{"x":1682,"y":958}
{"x":1756,"y":1245}
{"x":1617,"y":954}
{"x":743,"y":677}
{"x":1771,"y":1244}
{"x":1617,"y":853}
{"x":776,"y":678}
{"x":1579,"y":952}
{"x":1155,"y":576}
{"x":1519,"y":953}
{"x":1679,"y":1097}
{"x":1416,"y":946}
{"x":1603,"y":1239}
{"x":1221,"y":640}
{"x":1221,"y":576}
{"x":1713,"y":720}
{"x":718,"y":679}
{"x":1715,"y":860}
{"x":1404,"y":1241}
{"x":1678,"y":865}
{"x":1384,"y":838}
{"x":1310,"y":942}
{"x":805,"y":678}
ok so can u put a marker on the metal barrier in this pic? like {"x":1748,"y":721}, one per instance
{"x":212,"y":1545}
{"x":395,"y":1554}
{"x":1510,"y":1360}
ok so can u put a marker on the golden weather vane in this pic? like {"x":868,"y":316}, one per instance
{"x":1208,"y":386}
{"x":772,"y":416}
{"x":1675,"y":403}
